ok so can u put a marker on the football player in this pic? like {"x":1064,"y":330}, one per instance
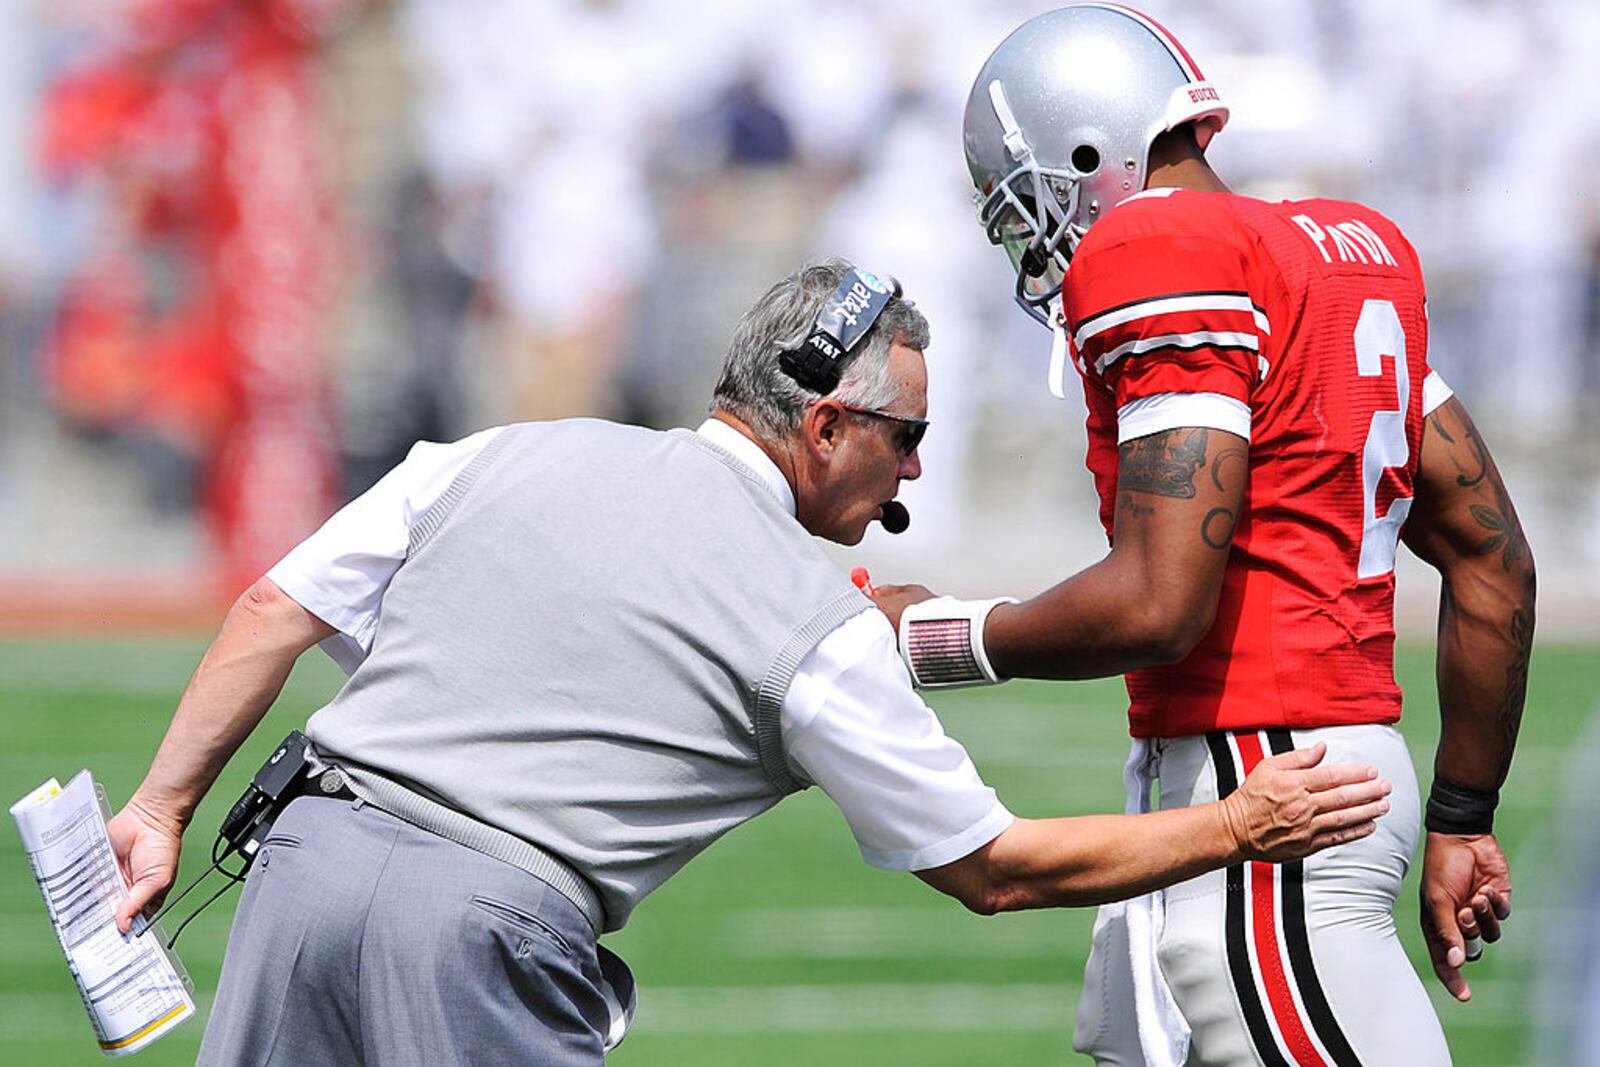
{"x":1264,"y":428}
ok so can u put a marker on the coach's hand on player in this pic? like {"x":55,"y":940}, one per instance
{"x":892,"y":600}
{"x":1289,"y":807}
{"x":1466,"y":893}
{"x":146,"y":846}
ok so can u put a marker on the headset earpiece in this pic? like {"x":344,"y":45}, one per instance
{"x":846,"y":317}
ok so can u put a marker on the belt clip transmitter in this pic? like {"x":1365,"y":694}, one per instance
{"x":277,"y":782}
{"x":282,"y":778}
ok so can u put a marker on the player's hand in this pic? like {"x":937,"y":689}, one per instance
{"x":893,"y":599}
{"x":146,"y":847}
{"x":1289,"y":807}
{"x":1466,"y":893}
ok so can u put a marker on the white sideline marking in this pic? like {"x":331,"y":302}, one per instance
{"x":825,"y":1009}
{"x":892,"y":933}
{"x":855,"y":1008}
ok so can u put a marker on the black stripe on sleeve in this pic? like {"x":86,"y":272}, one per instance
{"x":1103,"y":312}
{"x":1298,"y":942}
{"x":1212,"y":345}
{"x":1244,"y":984}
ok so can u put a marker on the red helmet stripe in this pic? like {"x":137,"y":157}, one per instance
{"x":1179,"y":53}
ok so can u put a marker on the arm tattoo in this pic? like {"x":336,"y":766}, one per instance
{"x":1225,"y":457}
{"x":1521,"y":633}
{"x":1481,"y":455}
{"x":1469,"y":475}
{"x":1127,"y":502}
{"x":1163,"y":463}
{"x":1216,"y":529}
{"x":1506,"y":532}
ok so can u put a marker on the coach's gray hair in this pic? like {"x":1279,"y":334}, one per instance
{"x":754,"y":387}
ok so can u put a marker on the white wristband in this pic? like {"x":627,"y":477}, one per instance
{"x":941,"y":641}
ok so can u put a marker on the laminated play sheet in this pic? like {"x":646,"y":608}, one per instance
{"x":134,"y":988}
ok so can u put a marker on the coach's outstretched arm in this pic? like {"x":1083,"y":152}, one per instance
{"x":1288,"y":808}
{"x":1462,"y":522}
{"x":237,"y":680}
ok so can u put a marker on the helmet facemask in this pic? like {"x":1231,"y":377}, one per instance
{"x":1030,"y":213}
{"x":1039,"y":246}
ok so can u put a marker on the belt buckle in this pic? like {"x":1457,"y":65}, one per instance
{"x":331,"y":783}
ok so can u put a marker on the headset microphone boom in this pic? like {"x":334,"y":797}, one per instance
{"x":895,"y":517}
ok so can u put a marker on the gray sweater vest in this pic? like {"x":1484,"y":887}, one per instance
{"x":586,"y":649}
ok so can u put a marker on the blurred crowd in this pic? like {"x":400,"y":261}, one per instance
{"x":251,"y":250}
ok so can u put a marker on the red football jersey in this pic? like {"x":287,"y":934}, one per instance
{"x":1301,"y":326}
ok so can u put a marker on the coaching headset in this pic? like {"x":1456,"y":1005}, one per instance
{"x":845,"y":318}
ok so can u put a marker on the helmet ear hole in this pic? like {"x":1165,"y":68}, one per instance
{"x":1085,"y":159}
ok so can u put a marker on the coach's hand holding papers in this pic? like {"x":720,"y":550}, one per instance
{"x":131,"y":985}
{"x":148,"y":849}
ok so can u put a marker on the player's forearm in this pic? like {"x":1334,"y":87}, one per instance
{"x":1094,"y":859}
{"x":1109,"y":619}
{"x":1486,"y":621}
{"x":237,"y":680}
{"x":1151,"y":600}
{"x":1180,"y":493}
{"x":1464,"y":524}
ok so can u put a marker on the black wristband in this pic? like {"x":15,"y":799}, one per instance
{"x":1456,"y":809}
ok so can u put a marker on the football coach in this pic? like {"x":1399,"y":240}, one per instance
{"x":580,"y":652}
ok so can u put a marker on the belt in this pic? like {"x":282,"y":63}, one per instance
{"x":341,"y":783}
{"x":330,"y":784}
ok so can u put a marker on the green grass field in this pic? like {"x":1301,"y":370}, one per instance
{"x":778,"y":945}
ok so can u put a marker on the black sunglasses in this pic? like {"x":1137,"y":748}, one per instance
{"x":911,"y":430}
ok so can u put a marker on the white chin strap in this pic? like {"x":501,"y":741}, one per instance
{"x":1060,"y":343}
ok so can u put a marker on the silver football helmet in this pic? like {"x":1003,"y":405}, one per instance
{"x":1059,"y":125}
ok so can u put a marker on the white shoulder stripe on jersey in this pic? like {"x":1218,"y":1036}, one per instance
{"x":1160,"y":192}
{"x":1435,"y":391}
{"x":1167,"y":305}
{"x":1199,"y":339}
{"x":1171,"y":411}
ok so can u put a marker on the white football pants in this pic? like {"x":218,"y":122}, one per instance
{"x":1292,"y":964}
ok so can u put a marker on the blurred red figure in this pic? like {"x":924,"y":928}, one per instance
{"x":199,"y":314}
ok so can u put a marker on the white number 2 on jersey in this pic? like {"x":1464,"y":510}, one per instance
{"x":1379,"y":334}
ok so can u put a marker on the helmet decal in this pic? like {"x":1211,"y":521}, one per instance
{"x":1175,"y":46}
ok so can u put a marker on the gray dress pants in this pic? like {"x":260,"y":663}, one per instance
{"x":361,"y":939}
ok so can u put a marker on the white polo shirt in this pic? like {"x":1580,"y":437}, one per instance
{"x":851,"y":722}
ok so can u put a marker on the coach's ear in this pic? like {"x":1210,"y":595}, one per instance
{"x":822,"y":428}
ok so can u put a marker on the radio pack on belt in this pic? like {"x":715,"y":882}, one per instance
{"x":275,"y":784}
{"x":286,"y":775}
